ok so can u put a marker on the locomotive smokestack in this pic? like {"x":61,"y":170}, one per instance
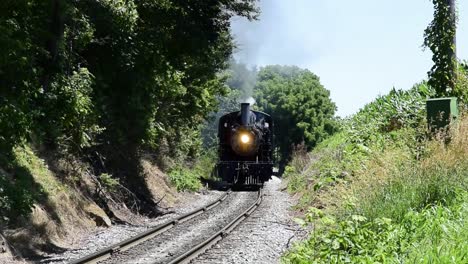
{"x":245,"y":114}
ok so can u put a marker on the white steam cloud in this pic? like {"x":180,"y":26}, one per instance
{"x":250,"y":100}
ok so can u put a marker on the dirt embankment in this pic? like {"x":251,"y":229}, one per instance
{"x":68,"y":201}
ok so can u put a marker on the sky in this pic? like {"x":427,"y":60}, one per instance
{"x":359,"y":49}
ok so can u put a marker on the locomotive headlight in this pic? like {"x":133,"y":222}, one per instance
{"x":245,"y":138}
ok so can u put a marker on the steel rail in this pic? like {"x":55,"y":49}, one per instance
{"x":152,"y":232}
{"x":200,"y":248}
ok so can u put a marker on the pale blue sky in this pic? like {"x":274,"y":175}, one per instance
{"x":359,"y":49}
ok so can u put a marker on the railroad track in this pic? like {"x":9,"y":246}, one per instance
{"x":152,"y":232}
{"x":206,"y":244}
{"x":107,"y":254}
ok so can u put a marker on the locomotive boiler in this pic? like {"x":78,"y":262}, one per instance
{"x":245,"y":147}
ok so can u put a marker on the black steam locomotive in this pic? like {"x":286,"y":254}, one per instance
{"x":245,"y":147}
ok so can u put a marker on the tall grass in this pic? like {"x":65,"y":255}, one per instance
{"x":436,"y":179}
{"x":403,"y":211}
{"x":381,"y":192}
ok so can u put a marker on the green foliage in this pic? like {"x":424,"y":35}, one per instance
{"x":147,"y":70}
{"x":188,"y":177}
{"x":25,"y":181}
{"x":461,"y":86}
{"x":416,"y":187}
{"x":206,"y":163}
{"x":440,"y":234}
{"x":15,"y":199}
{"x":439,"y":38}
{"x":69,"y":116}
{"x":392,"y":121}
{"x":19,"y":85}
{"x":434,"y":234}
{"x":379,"y":121}
{"x":390,"y":195}
{"x":185,"y":179}
{"x":300,"y":105}
{"x":356,"y":240}
{"x":417,"y":215}
{"x":108,"y":182}
{"x":112,"y":78}
{"x":108,"y":81}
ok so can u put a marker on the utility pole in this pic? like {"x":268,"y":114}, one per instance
{"x":453,"y":19}
{"x":453,"y":55}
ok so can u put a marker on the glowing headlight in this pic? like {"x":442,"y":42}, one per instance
{"x":245,"y":138}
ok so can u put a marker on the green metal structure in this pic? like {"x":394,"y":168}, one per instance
{"x":441,"y":112}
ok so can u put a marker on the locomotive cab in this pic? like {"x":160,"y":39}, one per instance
{"x":245,"y":147}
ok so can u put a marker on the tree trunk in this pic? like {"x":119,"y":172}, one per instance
{"x":56,"y":29}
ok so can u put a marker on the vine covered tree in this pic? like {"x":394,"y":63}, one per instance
{"x":440,"y":38}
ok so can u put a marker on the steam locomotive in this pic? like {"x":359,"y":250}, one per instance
{"x":245,"y":147}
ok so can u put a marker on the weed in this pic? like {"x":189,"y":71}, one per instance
{"x":108,"y":182}
{"x":185,"y":179}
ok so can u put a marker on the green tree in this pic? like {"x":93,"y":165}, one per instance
{"x":439,"y":37}
{"x":300,"y":106}
{"x":136,"y":69}
{"x":113,"y":78}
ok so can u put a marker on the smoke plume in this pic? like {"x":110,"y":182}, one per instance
{"x":250,"y":100}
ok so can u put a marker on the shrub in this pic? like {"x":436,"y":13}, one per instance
{"x":108,"y":182}
{"x":185,"y":179}
{"x":436,"y":234}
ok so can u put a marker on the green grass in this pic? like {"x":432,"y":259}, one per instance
{"x":442,"y":234}
{"x":414,"y":187}
{"x":188,"y":177}
{"x":387,"y":194}
{"x":185,"y":179}
{"x":26,"y":181}
{"x":436,"y":234}
{"x":402,"y":210}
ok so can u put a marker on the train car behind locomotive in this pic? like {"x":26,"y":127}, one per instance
{"x":245,"y":147}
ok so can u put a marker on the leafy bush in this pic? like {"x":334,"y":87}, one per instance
{"x":188,"y":177}
{"x":355,"y":240}
{"x":15,"y":199}
{"x":108,"y":182}
{"x":434,"y":234}
{"x":69,"y":117}
{"x":461,"y":85}
{"x":185,"y":179}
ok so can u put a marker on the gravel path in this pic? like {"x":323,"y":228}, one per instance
{"x":103,"y":237}
{"x":261,"y":238}
{"x":182,"y":237}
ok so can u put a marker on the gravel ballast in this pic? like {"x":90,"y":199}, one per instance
{"x":168,"y":245}
{"x":104,"y":237}
{"x":261,"y":238}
